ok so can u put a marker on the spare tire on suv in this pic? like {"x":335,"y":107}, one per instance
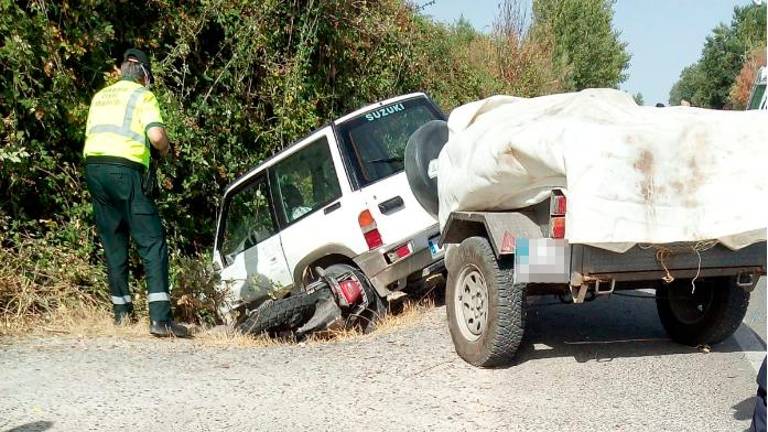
{"x":420,"y":159}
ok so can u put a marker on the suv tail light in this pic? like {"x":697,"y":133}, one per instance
{"x":557,"y":208}
{"x":399,"y":253}
{"x":369,"y":229}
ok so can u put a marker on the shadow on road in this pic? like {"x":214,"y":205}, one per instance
{"x":38,"y":426}
{"x":744,"y":409}
{"x":607,"y":328}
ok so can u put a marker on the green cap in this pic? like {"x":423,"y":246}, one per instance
{"x":139,"y":56}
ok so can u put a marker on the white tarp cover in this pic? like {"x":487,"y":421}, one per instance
{"x":631,"y":174}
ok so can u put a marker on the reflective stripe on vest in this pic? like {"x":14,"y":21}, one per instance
{"x":125,"y":128}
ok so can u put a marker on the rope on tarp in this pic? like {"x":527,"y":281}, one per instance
{"x":664,"y":252}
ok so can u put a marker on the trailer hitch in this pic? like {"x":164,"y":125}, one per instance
{"x":608,"y":291}
{"x":580,"y":289}
{"x":747,"y":281}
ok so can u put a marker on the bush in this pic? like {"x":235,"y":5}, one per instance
{"x":38,"y":280}
{"x":237,"y":81}
{"x":195,"y":290}
{"x":42,"y":278}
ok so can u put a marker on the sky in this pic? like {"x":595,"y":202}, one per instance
{"x":663,"y":36}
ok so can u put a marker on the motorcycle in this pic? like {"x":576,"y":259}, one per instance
{"x":339,"y":298}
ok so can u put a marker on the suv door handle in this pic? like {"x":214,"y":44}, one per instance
{"x":391,"y":205}
{"x":332,"y":207}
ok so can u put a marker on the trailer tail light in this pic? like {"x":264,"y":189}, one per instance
{"x":369,"y":229}
{"x":557,"y":208}
{"x":557,"y":227}
{"x":557,"y":204}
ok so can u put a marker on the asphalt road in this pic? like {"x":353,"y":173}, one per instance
{"x":602,"y":366}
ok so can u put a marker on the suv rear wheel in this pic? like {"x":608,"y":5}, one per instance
{"x":486,"y":309}
{"x":707,"y":315}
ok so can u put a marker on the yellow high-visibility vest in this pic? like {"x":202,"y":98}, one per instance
{"x":118,"y":120}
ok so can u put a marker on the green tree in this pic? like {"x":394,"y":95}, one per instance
{"x":586,"y":45}
{"x":638,"y":97}
{"x":691,"y":81}
{"x":708,"y":82}
{"x":238,"y":80}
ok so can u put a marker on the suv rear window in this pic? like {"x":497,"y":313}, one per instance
{"x":374,"y":142}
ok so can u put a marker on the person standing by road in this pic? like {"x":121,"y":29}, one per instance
{"x":123,"y":121}
{"x":758,"y":418}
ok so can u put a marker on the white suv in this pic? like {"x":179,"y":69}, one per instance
{"x":338,"y":196}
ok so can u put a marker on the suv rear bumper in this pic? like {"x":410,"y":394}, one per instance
{"x":382,"y":274}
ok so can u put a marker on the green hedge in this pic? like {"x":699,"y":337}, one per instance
{"x":237,"y":81}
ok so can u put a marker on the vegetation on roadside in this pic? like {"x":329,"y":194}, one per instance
{"x":237,"y":81}
{"x":586,"y":47}
{"x":724,"y":73}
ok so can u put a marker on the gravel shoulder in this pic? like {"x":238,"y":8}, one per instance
{"x":601,"y":366}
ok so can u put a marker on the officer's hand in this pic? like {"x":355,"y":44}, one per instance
{"x":159,"y":139}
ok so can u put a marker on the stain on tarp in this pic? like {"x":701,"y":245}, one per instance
{"x":645,"y":166}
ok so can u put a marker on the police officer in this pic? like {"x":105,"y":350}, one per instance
{"x":123,"y":121}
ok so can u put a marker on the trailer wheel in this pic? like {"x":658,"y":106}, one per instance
{"x":486,"y":309}
{"x":707,"y":316}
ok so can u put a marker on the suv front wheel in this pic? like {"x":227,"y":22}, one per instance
{"x":486,"y":309}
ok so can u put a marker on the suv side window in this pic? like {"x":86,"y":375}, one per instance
{"x":306,"y":181}
{"x":248,"y":218}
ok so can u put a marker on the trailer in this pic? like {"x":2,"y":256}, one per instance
{"x":496,"y":260}
{"x":501,"y":258}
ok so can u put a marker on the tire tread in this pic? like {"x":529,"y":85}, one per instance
{"x":721,"y":323}
{"x":504,"y":331}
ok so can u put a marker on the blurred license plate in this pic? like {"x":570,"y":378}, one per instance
{"x":434,"y":246}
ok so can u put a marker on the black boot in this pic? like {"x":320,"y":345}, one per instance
{"x":168,"y":328}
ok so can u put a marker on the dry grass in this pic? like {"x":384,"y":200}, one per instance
{"x":96,"y":322}
{"x":41,"y":284}
{"x":49,"y":291}
{"x":83,"y":321}
{"x":411,"y":313}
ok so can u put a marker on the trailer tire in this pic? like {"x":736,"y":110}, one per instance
{"x":478,"y":273}
{"x":708,"y":316}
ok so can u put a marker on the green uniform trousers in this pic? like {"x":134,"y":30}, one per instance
{"x":121,"y":208}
